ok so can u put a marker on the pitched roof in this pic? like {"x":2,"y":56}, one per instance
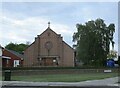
{"x":47,"y":30}
{"x":67,"y":45}
{"x":41,"y":34}
{"x":54,"y":33}
{"x":15,"y":53}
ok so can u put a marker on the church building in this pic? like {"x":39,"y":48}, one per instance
{"x":49,"y":49}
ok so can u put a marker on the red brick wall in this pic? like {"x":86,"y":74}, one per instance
{"x":11,"y":61}
{"x":59,"y":48}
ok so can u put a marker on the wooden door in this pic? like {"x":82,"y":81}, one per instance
{"x":49,"y":62}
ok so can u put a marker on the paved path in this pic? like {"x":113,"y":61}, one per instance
{"x":102,"y":82}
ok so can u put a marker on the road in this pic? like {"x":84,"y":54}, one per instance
{"x":63,"y":87}
{"x":103,"y":83}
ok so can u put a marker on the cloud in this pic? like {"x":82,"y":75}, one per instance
{"x":22,"y":22}
{"x":27,"y":29}
{"x":61,"y":29}
{"x":91,"y":11}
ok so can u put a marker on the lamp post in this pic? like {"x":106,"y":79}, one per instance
{"x":0,"y":56}
{"x":0,"y":51}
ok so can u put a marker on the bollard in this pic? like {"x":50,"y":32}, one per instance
{"x":7,"y":75}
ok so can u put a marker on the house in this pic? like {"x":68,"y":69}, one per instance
{"x":49,"y":49}
{"x":11,"y":58}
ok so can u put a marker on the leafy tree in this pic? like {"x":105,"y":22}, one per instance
{"x":112,"y":54}
{"x":16,"y":47}
{"x":93,"y":41}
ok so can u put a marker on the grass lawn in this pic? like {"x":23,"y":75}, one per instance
{"x":64,"y":77}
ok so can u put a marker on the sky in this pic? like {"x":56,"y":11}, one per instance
{"x":23,"y":21}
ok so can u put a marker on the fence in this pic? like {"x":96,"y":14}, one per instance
{"x":58,"y":71}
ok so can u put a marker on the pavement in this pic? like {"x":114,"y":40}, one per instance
{"x":103,"y":82}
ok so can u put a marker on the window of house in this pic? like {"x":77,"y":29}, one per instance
{"x":16,"y":63}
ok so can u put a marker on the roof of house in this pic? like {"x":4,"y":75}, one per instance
{"x":53,"y":32}
{"x":15,"y":53}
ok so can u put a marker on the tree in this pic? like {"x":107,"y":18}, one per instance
{"x":93,"y":41}
{"x":16,"y":47}
{"x":112,"y":54}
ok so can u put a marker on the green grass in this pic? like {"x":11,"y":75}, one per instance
{"x":64,"y":77}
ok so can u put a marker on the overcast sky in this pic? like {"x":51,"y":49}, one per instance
{"x":22,"y":21}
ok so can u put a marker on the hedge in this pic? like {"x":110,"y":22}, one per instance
{"x":52,"y":68}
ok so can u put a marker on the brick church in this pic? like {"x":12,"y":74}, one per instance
{"x":49,"y":49}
